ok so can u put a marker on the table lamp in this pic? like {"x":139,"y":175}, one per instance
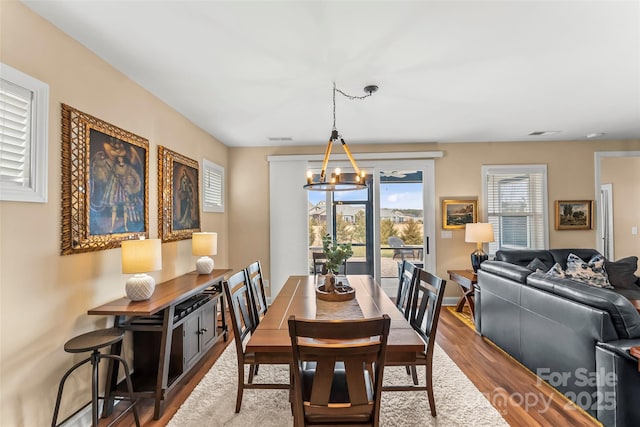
{"x":140,"y":257}
{"x":479,"y":232}
{"x":204,"y":244}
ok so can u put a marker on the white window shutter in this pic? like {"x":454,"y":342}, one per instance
{"x":24,"y":110}
{"x":212,"y":187}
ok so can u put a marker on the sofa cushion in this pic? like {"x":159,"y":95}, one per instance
{"x":561,"y":255}
{"x":624,"y":316}
{"x":507,"y":270}
{"x":622,"y":273}
{"x":537,"y":264}
{"x":524,"y":257}
{"x":628,"y":293}
{"x":590,"y":272}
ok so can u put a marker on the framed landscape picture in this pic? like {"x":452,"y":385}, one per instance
{"x":457,"y":213}
{"x":178,"y":195}
{"x":574,"y":214}
{"x":105,"y":189}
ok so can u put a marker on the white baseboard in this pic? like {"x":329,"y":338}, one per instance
{"x":83,"y":417}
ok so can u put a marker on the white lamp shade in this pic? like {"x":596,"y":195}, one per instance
{"x":204,"y":243}
{"x":479,"y":232}
{"x":141,"y":256}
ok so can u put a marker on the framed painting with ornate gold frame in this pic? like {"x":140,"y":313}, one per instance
{"x":574,"y":214}
{"x":178,"y":196}
{"x":105,"y":189}
{"x":457,"y":213}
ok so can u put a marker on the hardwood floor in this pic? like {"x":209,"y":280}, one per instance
{"x":514,"y":391}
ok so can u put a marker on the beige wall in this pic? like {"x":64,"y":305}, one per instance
{"x":570,"y":174}
{"x":44,"y":297}
{"x":623,"y":173}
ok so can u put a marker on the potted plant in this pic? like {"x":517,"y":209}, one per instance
{"x":336,"y":254}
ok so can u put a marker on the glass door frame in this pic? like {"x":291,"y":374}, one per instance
{"x":427,"y":167}
{"x":373,"y":168}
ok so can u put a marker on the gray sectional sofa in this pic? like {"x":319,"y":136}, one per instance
{"x":573,"y":335}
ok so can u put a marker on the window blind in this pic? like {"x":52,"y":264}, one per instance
{"x":516,"y":206}
{"x":212,"y":187}
{"x":15,"y":133}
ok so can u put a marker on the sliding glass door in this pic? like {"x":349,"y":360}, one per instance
{"x":392,"y":220}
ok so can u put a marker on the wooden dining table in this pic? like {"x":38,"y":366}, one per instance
{"x":271,"y":343}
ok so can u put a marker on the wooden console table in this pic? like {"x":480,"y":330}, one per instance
{"x":466,"y":279}
{"x":172,"y":330}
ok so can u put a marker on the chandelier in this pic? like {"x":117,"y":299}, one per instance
{"x":337,"y":181}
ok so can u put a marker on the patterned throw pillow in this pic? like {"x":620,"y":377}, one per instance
{"x":591,"y":272}
{"x":556,"y":270}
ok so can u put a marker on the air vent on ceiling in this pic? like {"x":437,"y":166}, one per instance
{"x":595,"y":135}
{"x":544,"y":132}
{"x":280,"y":138}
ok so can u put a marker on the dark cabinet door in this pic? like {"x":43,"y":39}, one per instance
{"x":191,"y":346}
{"x":208,"y":327}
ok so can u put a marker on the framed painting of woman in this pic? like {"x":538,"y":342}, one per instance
{"x":178,"y":195}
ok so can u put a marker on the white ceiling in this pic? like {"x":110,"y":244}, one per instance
{"x":448,"y":71}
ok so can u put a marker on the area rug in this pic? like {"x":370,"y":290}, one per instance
{"x":212,"y":402}
{"x":464,"y":316}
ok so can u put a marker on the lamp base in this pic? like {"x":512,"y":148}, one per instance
{"x":478,"y":257}
{"x":140,"y":287}
{"x":204,"y":265}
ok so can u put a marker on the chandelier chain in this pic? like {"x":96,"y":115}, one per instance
{"x":335,"y":89}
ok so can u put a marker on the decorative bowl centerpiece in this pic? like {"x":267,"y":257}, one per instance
{"x":336,"y":254}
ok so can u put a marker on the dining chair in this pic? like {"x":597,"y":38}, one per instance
{"x":403,"y":301}
{"x":236,"y":289}
{"x":338,"y":369}
{"x":424,"y":313}
{"x":254,"y":274}
{"x":319,"y":258}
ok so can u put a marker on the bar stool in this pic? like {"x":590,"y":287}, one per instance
{"x":93,"y":341}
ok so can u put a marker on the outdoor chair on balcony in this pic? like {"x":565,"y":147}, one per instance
{"x":399,"y":249}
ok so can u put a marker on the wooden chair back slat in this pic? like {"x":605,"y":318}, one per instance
{"x":405,"y":287}
{"x":256,"y":281}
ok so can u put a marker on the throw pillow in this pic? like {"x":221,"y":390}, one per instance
{"x":590,"y":272}
{"x":621,"y":273}
{"x":556,"y":270}
{"x":536,"y":264}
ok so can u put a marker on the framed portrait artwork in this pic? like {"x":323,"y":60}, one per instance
{"x":178,"y":196}
{"x":105,"y":190}
{"x":457,"y":213}
{"x":574,"y":214}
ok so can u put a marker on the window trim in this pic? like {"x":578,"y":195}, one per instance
{"x":510,"y":169}
{"x":37,"y":191}
{"x":215,"y":168}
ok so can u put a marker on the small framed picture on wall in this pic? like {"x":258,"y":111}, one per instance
{"x":456,"y":213}
{"x":574,"y":214}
